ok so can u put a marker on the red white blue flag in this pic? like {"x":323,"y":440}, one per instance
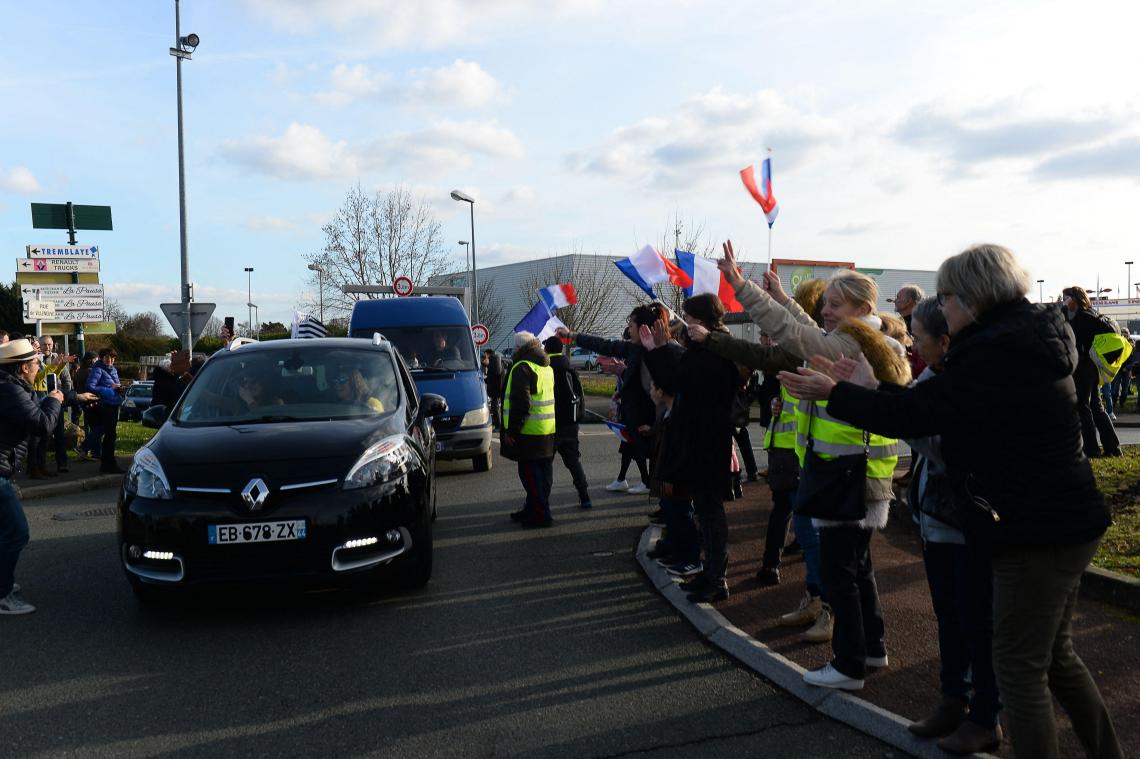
{"x":707,"y":279}
{"x":647,"y":267}
{"x":557,"y":296}
{"x":620,"y":430}
{"x":762,"y":194}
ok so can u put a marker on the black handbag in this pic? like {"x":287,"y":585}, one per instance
{"x":833,"y":489}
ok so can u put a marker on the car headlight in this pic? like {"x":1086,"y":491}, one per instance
{"x":146,"y":479}
{"x":382,"y":462}
{"x":476,"y":417}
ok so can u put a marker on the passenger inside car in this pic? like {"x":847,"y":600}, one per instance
{"x":350,"y":386}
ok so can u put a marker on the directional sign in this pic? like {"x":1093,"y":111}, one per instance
{"x":60,"y":292}
{"x":49,"y":265}
{"x":402,"y":286}
{"x":63,"y":251}
{"x":176,"y":314}
{"x":480,"y":334}
{"x":54,"y":216}
{"x":38,"y":310}
{"x":92,"y":315}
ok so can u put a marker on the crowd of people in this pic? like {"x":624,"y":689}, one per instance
{"x":1006,"y":503}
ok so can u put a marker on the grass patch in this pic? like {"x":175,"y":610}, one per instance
{"x":1119,"y":480}
{"x":132,"y":436}
{"x":598,"y":384}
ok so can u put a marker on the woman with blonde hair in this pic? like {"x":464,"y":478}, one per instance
{"x":850,"y":328}
{"x":1024,"y":492}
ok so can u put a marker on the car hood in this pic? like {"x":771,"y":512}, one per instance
{"x":281,"y":453}
{"x":463,"y":390}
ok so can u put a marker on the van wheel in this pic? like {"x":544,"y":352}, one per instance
{"x":483,"y":463}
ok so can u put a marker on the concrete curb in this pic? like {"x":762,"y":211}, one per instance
{"x":1111,"y":588}
{"x":783,"y":672}
{"x":73,"y":486}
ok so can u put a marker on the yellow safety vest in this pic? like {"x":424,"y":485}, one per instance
{"x":1109,"y":352}
{"x":832,"y":438}
{"x":781,"y":432}
{"x":540,"y":419}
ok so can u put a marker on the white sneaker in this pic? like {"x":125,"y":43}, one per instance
{"x":828,"y":676}
{"x":13,"y":604}
{"x":639,"y":489}
{"x":877,"y":662}
{"x":618,"y":486}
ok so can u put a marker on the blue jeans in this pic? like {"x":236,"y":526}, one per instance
{"x":962,"y":591}
{"x":1106,"y":393}
{"x":808,"y":538}
{"x":13,"y":534}
{"x":683,"y":539}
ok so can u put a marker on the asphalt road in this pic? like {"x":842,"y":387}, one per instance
{"x":525,"y":643}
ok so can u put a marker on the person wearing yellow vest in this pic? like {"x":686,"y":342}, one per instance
{"x":1098,"y":349}
{"x":527,"y":436}
{"x":851,"y":329}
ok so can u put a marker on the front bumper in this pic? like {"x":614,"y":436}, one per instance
{"x":165,"y":543}
{"x":464,"y":443}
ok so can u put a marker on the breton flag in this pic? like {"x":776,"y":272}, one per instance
{"x":539,"y":322}
{"x":647,"y":267}
{"x":619,"y":430}
{"x":557,"y":296}
{"x":707,"y":279}
{"x":762,"y":194}
{"x":307,"y":325}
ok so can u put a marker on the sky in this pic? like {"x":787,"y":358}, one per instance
{"x":900,"y":132}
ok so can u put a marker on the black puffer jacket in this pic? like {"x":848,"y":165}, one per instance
{"x":567,"y":397}
{"x":21,"y":417}
{"x":1028,"y":465}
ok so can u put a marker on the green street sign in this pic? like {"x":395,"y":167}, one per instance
{"x":54,"y":216}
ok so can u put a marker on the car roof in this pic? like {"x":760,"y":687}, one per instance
{"x":432,"y":310}
{"x":272,"y":346}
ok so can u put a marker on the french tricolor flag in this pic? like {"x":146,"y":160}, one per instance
{"x":707,"y":279}
{"x":762,"y":194}
{"x":557,"y":296}
{"x":619,"y":429}
{"x":539,"y":322}
{"x":647,"y":267}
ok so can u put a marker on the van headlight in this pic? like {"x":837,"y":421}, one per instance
{"x":146,"y":479}
{"x":380,"y":463}
{"x":476,"y":417}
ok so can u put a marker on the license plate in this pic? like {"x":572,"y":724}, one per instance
{"x":257,"y":532}
{"x":438,"y":447}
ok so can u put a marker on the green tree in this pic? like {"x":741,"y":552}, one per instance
{"x":11,"y":313}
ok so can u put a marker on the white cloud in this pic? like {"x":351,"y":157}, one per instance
{"x":520,"y":196}
{"x":305,"y":152}
{"x":708,"y":135}
{"x":462,"y":83}
{"x":19,"y":179}
{"x":269,"y":224}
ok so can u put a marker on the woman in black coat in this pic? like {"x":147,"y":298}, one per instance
{"x":1024,"y":489}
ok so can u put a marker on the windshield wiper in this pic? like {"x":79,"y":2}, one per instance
{"x":434,"y":370}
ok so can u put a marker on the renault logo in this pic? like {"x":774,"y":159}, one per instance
{"x":254,"y":494}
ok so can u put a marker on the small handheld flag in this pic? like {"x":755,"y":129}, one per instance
{"x":647,"y":267}
{"x":557,"y":296}
{"x":306,"y":325}
{"x":619,"y":429}
{"x":539,"y":322}
{"x":707,"y":278}
{"x":762,"y":194}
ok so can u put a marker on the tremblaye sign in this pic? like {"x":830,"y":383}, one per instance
{"x":63,"y":251}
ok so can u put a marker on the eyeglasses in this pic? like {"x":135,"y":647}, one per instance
{"x":341,"y":380}
{"x":942,"y":298}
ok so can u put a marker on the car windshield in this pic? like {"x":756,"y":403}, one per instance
{"x":140,"y":391}
{"x":295,"y":384}
{"x":440,"y":348}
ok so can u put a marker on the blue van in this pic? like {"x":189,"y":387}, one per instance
{"x":434,"y":336}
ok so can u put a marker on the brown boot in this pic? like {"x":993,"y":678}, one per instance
{"x":807,"y":613}
{"x":971,"y":738}
{"x":821,"y":631}
{"x":945,"y":719}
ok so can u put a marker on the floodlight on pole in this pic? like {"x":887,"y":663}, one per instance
{"x":1128,"y":287}
{"x":320,"y":286}
{"x":462,"y":197}
{"x":184,"y":46}
{"x":1040,"y":291}
{"x":249,"y":296}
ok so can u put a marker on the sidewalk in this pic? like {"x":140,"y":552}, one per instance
{"x":82,"y":475}
{"x":1107,"y":638}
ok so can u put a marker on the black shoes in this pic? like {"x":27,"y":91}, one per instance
{"x":518,"y":516}
{"x":768,"y":576}
{"x":702,"y":590}
{"x":791,"y":549}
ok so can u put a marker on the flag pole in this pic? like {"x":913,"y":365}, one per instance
{"x":769,"y":248}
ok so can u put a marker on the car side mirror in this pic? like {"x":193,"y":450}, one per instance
{"x":154,"y":417}
{"x":433,"y":405}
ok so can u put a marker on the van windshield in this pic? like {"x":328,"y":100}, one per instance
{"x":430,"y":348}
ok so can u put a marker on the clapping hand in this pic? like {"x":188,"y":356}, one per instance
{"x":807,"y":384}
{"x":661,"y":334}
{"x":857,"y":371}
{"x":697,"y":333}
{"x":728,"y":265}
{"x":645,"y":337}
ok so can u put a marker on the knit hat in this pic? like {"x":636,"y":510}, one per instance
{"x":15,"y":351}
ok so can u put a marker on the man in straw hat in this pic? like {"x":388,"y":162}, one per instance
{"x":21,"y":417}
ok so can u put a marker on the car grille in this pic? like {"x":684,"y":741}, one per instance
{"x":446,"y":423}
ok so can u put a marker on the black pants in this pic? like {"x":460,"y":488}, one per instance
{"x":681,"y":533}
{"x":567,"y":448}
{"x":777,"y":533}
{"x":109,"y":419}
{"x":747,"y":456}
{"x":1090,"y":406}
{"x":709,"y":506}
{"x":845,"y":563}
{"x":496,"y":411}
{"x":536,"y":477}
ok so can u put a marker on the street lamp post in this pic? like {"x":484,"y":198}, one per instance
{"x":465,"y":198}
{"x":1040,"y":291}
{"x":467,"y":260}
{"x":1128,"y":286}
{"x":249,"y":296}
{"x":321,"y":286}
{"x":256,"y":334}
{"x":183,"y":47}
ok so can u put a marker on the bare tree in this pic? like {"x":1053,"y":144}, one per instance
{"x":113,"y":311}
{"x":595,"y":280}
{"x":144,"y":324}
{"x":690,"y":238}
{"x":372,"y":240}
{"x":490,"y":306}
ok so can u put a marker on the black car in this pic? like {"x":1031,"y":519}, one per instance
{"x":292,"y":460}
{"x":136,"y":401}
